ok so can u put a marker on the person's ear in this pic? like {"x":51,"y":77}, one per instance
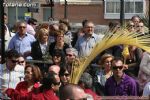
{"x":52,"y":86}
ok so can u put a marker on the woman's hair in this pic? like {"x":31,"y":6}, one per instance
{"x":42,"y":32}
{"x":37,"y":76}
{"x":104,"y":57}
{"x":48,"y":80}
{"x":113,"y":24}
{"x":59,"y":32}
{"x":63,"y":27}
{"x":59,"y":52}
{"x":66,"y":22}
{"x":63,"y":70}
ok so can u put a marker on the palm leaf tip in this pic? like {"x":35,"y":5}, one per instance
{"x":109,"y":40}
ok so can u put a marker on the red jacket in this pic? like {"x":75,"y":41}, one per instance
{"x":21,"y":93}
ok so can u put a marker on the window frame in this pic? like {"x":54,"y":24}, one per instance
{"x":127,"y":15}
{"x":81,"y":2}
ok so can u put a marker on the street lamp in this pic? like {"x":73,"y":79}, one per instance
{"x":2,"y":31}
{"x":51,"y":4}
{"x":65,"y":9}
{"x":121,"y":12}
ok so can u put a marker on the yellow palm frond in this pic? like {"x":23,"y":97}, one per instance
{"x":120,"y":37}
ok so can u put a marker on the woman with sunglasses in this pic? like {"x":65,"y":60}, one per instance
{"x":58,"y":58}
{"x":103,"y":73}
{"x":64,"y":75}
{"x":31,"y":82}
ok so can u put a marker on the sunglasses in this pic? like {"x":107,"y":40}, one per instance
{"x":79,"y":99}
{"x":14,"y":61}
{"x":57,"y":56}
{"x":108,"y":62}
{"x":117,"y":67}
{"x":65,"y":74}
{"x":57,"y":83}
{"x":70,"y":55}
{"x":21,"y":61}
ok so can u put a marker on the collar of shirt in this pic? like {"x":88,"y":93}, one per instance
{"x":92,"y":36}
{"x":16,"y":68}
{"x":122,"y":78}
{"x":24,"y":35}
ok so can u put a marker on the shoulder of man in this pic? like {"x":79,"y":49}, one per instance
{"x":19,"y":68}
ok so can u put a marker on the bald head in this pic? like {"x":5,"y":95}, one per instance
{"x":72,"y":91}
{"x":54,"y":68}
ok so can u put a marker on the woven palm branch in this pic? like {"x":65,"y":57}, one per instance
{"x":120,"y":37}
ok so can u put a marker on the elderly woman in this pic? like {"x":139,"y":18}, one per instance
{"x":59,"y":43}
{"x":31,"y":82}
{"x":104,"y":73}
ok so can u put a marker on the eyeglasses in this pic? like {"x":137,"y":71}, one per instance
{"x":70,"y":55}
{"x":117,"y":67}
{"x":108,"y":62}
{"x":14,"y":61}
{"x":21,"y":61}
{"x":22,"y":27}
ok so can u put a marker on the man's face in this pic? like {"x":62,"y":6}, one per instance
{"x":5,"y":19}
{"x":136,"y":20}
{"x":89,"y":29}
{"x":140,"y":27}
{"x":11,"y":62}
{"x":22,"y":28}
{"x":117,"y":67}
{"x":54,"y":68}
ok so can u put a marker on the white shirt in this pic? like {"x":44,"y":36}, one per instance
{"x":11,"y":78}
{"x":146,"y":91}
{"x":43,"y":48}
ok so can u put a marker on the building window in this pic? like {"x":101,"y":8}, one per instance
{"x":16,"y":13}
{"x":131,"y":7}
{"x":46,"y":13}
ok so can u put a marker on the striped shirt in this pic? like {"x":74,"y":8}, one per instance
{"x":10,"y":79}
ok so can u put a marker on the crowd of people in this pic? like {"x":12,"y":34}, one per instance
{"x":110,"y":75}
